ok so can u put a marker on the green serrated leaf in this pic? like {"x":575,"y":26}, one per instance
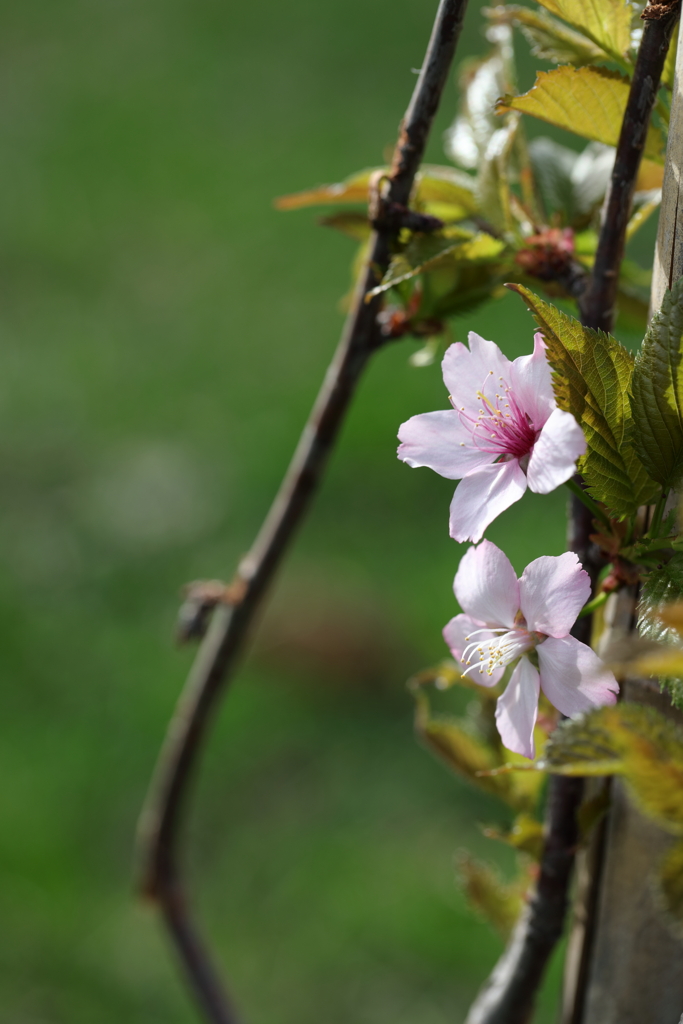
{"x":660,"y":586}
{"x":549,"y":39}
{"x":670,"y":883}
{"x":607,"y":23}
{"x":630,"y":740}
{"x":589,"y":101}
{"x":592,"y":375}
{"x":657,"y":393}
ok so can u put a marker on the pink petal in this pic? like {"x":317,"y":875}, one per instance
{"x":552,"y":592}
{"x":440,"y":441}
{"x":573,"y":678}
{"x":531,"y":384}
{"x":486,"y":586}
{"x":466,"y":372}
{"x":517,"y":709}
{"x":482,"y":495}
{"x":456,"y":633}
{"x":554,"y":455}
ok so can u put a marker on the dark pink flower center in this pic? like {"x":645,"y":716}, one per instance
{"x":501,"y":427}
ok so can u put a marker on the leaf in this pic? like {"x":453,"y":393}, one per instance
{"x":670,"y":62}
{"x":660,"y":586}
{"x":497,"y":901}
{"x":670,"y":882}
{"x":424,"y":251}
{"x":526,"y":835}
{"x":437,"y":190}
{"x":650,"y":176}
{"x":468,"y":754}
{"x":589,"y":101}
{"x":354,"y":225}
{"x":445,"y":192}
{"x":606,"y":22}
{"x":592,"y":374}
{"x":353,"y":189}
{"x":657,"y":393}
{"x":480,"y":83}
{"x":549,"y":39}
{"x":553,"y":165}
{"x":493,"y":181}
{"x":630,"y":740}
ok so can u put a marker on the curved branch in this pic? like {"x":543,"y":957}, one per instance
{"x":161,"y":819}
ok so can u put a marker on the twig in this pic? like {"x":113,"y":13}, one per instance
{"x":599,"y":299}
{"x":508,"y":996}
{"x":162,"y":815}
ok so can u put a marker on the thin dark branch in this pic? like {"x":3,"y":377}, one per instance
{"x":220,"y":649}
{"x":509,"y":995}
{"x":599,"y":300}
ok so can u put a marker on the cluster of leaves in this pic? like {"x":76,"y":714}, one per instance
{"x":631,"y":411}
{"x":513,"y":210}
{"x":518,"y":213}
{"x":646,"y":750}
{"x":470,"y":746}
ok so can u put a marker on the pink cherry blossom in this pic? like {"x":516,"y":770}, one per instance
{"x":505,"y":618}
{"x":503,"y":433}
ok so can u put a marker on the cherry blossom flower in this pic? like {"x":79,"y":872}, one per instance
{"x":504,"y":433}
{"x":529,"y":619}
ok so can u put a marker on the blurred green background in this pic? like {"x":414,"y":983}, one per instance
{"x":164,"y":332}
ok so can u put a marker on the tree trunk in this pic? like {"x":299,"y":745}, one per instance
{"x":624,"y":965}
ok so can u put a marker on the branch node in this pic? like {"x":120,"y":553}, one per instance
{"x":201,"y":597}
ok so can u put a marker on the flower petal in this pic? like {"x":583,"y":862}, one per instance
{"x":468,"y":372}
{"x":573,"y":678}
{"x":552,"y":592}
{"x":456,"y":635}
{"x":442,"y":442}
{"x":486,"y":586}
{"x":554,"y":455}
{"x":531,"y":383}
{"x":517,"y":709}
{"x":482,"y":495}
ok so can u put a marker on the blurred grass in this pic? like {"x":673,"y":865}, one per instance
{"x":163,"y":335}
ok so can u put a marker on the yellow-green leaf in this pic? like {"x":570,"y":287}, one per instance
{"x":592,"y":375}
{"x":549,"y":38}
{"x":657,"y":392}
{"x":353,"y":189}
{"x":630,"y":740}
{"x":526,"y":835}
{"x":589,"y":101}
{"x":606,"y":22}
{"x":498,"y":902}
{"x":354,"y":225}
{"x":436,"y":188}
{"x":670,"y":62}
